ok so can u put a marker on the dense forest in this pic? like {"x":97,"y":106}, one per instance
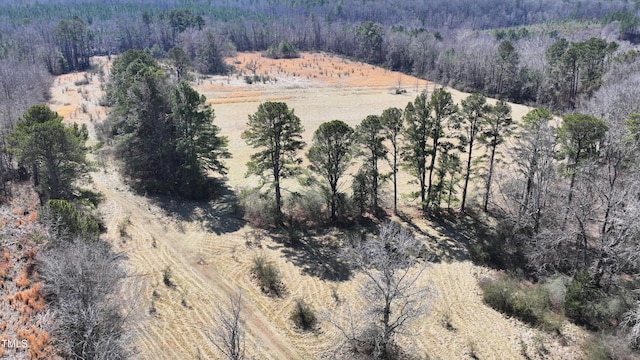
{"x":566,"y":213}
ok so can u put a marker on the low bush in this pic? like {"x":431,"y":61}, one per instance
{"x":306,"y":209}
{"x":69,"y":220}
{"x":529,"y":303}
{"x":267,"y":275}
{"x":594,"y":349}
{"x":588,"y":305}
{"x":285,"y":50}
{"x":259,"y":209}
{"x":303,"y":315}
{"x":167,"y":277}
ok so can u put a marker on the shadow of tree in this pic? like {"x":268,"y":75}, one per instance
{"x":451,"y":244}
{"x":473,"y":236}
{"x":220,"y":215}
{"x":315,"y":253}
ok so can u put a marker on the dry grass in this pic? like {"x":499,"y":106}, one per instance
{"x":211,"y":260}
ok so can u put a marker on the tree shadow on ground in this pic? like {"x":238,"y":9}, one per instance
{"x":473,"y":235}
{"x":314,"y":252}
{"x":458,"y":234}
{"x":219,"y":215}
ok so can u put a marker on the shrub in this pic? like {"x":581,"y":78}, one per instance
{"x":258,"y":208}
{"x":582,"y":301}
{"x":303,"y":315}
{"x":166,"y":277}
{"x":284,"y":50}
{"x":71,"y":220}
{"x":590,"y":306}
{"x":497,"y":294}
{"x":529,"y":303}
{"x":557,"y":290}
{"x":267,"y":275}
{"x":83,"y":81}
{"x":307,"y":209}
{"x":594,"y":349}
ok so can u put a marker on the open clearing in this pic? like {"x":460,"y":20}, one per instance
{"x":204,"y":246}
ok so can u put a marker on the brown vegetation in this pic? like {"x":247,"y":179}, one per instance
{"x":23,"y":306}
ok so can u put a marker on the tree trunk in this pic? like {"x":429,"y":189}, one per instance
{"x":334,"y":192}
{"x":423,"y":196}
{"x":53,"y":179}
{"x":36,"y":178}
{"x":374,"y":190}
{"x":276,"y":184}
{"x":466,"y":178}
{"x":572,"y":184}
{"x":450,"y":191}
{"x":485,"y":202}
{"x":385,"y":322}
{"x":431,"y":167}
{"x":395,"y":179}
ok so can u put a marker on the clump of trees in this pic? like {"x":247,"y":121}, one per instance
{"x":427,"y":139}
{"x":163,"y":132}
{"x":285,"y":50}
{"x":81,"y":275}
{"x":53,"y":152}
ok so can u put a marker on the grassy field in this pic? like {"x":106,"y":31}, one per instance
{"x":206,"y":250}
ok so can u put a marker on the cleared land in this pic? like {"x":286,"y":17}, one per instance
{"x":206,"y":247}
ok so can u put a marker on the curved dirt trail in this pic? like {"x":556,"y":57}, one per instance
{"x":184,"y":318}
{"x":183,"y":328}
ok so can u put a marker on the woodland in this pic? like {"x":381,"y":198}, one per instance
{"x":551,"y":200}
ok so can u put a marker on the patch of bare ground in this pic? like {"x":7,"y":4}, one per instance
{"x":208,"y":252}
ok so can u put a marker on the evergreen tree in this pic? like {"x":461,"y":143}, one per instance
{"x":580,"y":138}
{"x":392,"y":127}
{"x":417,"y":117}
{"x":199,"y":148}
{"x":330,"y":155}
{"x":443,"y":107}
{"x":471,"y":122}
{"x":277,"y":132}
{"x":370,"y":138}
{"x":55,"y":151}
{"x":498,"y":128}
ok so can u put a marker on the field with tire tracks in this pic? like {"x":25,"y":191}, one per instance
{"x":208,"y":251}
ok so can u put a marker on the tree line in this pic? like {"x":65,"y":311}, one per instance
{"x":427,"y":139}
{"x":534,"y":66}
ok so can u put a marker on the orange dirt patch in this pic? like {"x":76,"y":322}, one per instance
{"x":327,"y":69}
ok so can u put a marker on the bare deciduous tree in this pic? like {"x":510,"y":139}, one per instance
{"x":393,"y":292}
{"x":229,"y":337}
{"x":82,"y":281}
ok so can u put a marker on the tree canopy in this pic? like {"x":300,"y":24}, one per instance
{"x":164,"y":133}
{"x":54,"y":151}
{"x":276,"y":132}
{"x":330,"y":155}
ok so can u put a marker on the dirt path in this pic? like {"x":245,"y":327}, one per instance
{"x":176,"y":331}
{"x":203,"y":286}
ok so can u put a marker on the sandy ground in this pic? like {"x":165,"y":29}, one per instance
{"x":206,"y":250}
{"x":311,"y":86}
